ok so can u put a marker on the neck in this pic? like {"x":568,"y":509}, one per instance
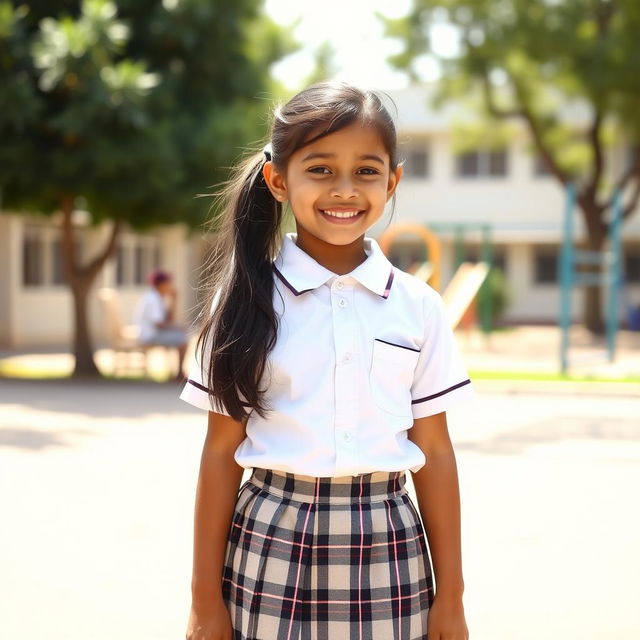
{"x":340,"y":259}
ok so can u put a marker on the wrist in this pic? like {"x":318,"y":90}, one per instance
{"x":205,"y":595}
{"x":450,"y":592}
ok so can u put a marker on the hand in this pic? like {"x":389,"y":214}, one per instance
{"x":445,"y":620}
{"x":212,"y":623}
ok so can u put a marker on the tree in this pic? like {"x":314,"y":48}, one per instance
{"x":127,"y":116}
{"x":528,"y":57}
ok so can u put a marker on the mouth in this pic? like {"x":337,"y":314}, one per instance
{"x":342,"y":216}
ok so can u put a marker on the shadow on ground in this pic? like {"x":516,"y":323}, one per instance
{"x":95,"y":398}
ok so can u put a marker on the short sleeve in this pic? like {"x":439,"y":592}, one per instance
{"x":440,"y":378}
{"x":195,"y":391}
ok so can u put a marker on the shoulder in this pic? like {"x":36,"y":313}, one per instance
{"x":409,"y":290}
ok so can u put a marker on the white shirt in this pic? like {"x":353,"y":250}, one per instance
{"x":149,"y":311}
{"x":358,"y":357}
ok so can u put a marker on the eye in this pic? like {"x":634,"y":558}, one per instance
{"x":318,"y":170}
{"x":369,"y":171}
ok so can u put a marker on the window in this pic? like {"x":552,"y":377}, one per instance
{"x":121,"y":258}
{"x":482,"y":163}
{"x":468,"y":164}
{"x":135,"y":258}
{"x":139,"y":264}
{"x":32,"y":258}
{"x":632,"y":265}
{"x":540,"y":169}
{"x":58,"y":267}
{"x":416,"y":164}
{"x":545,"y":265}
{"x":498,"y":256}
{"x":42,"y":255}
{"x":497,"y":163}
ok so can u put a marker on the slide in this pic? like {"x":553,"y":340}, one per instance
{"x":463,"y":288}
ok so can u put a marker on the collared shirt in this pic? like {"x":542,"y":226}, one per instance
{"x":358,"y":357}
{"x":150,"y":310}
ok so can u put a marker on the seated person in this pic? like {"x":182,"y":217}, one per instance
{"x":154,"y":317}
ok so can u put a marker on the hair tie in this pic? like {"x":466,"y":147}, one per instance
{"x":268,"y":151}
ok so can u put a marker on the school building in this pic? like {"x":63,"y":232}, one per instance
{"x":506,"y":188}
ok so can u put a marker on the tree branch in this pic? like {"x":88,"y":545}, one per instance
{"x":598,"y":160}
{"x":94,"y":267}
{"x":536,"y":132}
{"x":490,"y":101}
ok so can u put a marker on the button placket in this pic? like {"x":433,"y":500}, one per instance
{"x":344,"y":326}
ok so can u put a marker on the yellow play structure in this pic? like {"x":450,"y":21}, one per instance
{"x":460,"y":295}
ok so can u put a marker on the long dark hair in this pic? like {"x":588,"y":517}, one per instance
{"x":240,"y":325}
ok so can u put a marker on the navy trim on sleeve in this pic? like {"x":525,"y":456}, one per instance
{"x":197,"y":385}
{"x":441,"y":393}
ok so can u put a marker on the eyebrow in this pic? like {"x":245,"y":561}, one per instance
{"x":317,"y":154}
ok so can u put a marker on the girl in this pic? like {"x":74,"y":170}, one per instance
{"x":327,"y":371}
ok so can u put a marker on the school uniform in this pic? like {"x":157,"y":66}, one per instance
{"x":325,"y":541}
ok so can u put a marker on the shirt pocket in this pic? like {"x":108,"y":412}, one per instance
{"x":391,"y":377}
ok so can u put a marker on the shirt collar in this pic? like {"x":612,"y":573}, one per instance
{"x":301,"y":273}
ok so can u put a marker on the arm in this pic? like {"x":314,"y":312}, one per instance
{"x":437,"y":490}
{"x":172,"y":294}
{"x":218,"y":484}
{"x":169,"y":311}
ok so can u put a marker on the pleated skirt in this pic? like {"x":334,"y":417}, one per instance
{"x":331,"y":558}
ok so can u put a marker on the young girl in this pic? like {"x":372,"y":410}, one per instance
{"x":327,"y":371}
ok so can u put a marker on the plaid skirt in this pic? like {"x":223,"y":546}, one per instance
{"x":330,"y":558}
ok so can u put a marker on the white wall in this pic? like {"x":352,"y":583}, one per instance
{"x":42,"y":315}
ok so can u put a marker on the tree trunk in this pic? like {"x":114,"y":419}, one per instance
{"x":85,"y":365}
{"x":596,"y":235}
{"x":80,"y":280}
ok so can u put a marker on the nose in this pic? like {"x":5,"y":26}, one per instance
{"x":344,"y":188}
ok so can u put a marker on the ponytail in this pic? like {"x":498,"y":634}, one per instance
{"x":241,"y":329}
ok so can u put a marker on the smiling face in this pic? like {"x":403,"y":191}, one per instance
{"x":337,"y":186}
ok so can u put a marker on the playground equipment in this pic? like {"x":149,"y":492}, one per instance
{"x":467,"y":280}
{"x":608,"y":275}
{"x":430,"y":269}
{"x":486,"y":256}
{"x":462,"y":289}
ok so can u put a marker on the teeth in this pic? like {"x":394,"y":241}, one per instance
{"x":341,"y":214}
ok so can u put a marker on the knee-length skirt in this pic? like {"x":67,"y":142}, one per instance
{"x":329,"y":558}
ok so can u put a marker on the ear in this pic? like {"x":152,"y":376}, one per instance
{"x":274,"y":181}
{"x":394,"y":179}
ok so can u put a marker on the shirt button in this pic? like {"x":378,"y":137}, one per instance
{"x":347,"y":436}
{"x":342,"y":302}
{"x":340,"y":284}
{"x":346,"y":357}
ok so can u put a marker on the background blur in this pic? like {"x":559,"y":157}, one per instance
{"x":519,"y":124}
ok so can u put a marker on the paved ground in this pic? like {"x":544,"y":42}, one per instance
{"x":97,"y":485}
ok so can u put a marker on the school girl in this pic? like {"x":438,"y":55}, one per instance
{"x":328,"y":372}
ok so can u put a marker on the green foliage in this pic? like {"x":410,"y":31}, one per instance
{"x":534,"y":58}
{"x":135,"y":107}
{"x":499,"y":293}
